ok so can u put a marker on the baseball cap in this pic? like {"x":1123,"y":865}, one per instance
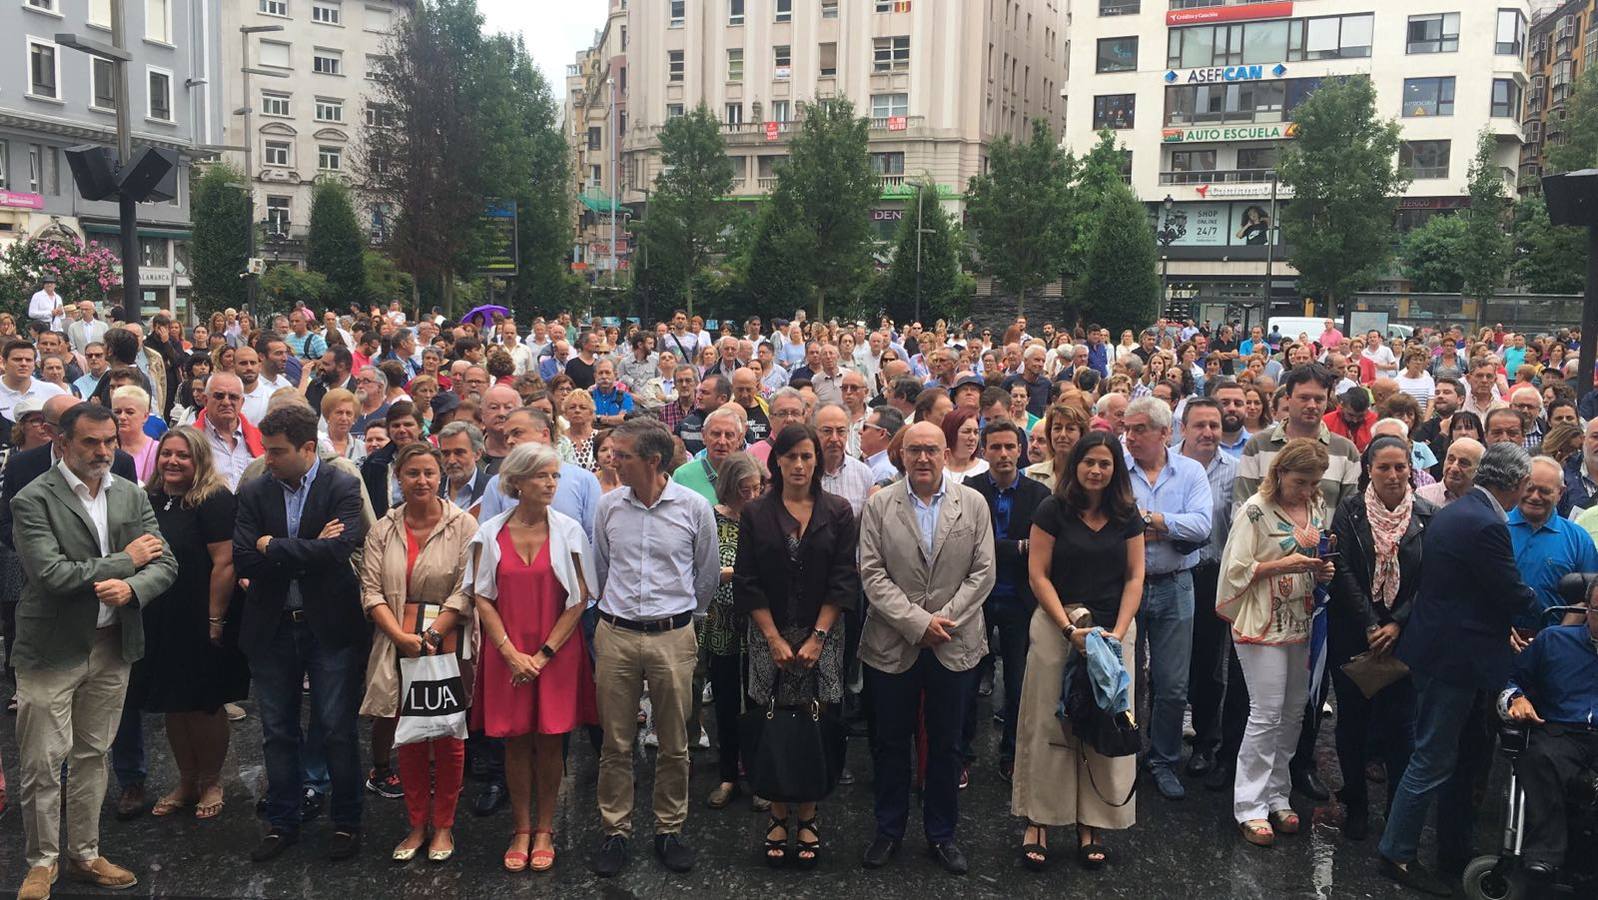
{"x":968,"y":379}
{"x":27,"y":406}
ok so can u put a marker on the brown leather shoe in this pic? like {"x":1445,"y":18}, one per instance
{"x":132,"y":803}
{"x":37,"y":885}
{"x":101,"y":872}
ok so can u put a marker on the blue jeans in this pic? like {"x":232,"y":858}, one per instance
{"x":313,"y":759}
{"x":127,"y":750}
{"x":337,"y":683}
{"x":1165,"y":620}
{"x":1440,"y":713}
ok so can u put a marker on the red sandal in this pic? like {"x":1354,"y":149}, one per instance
{"x":516,"y":860}
{"x":544,"y":860}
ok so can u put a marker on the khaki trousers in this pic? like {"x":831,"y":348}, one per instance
{"x":68,"y":715}
{"x":623,"y":661}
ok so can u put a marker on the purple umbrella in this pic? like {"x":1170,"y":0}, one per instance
{"x":486,"y":313}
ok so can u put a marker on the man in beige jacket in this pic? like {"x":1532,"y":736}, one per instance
{"x":926,"y":563}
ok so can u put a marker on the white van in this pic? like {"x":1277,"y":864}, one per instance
{"x":1291,"y":326}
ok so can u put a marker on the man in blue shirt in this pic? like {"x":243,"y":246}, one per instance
{"x":1098,"y":351}
{"x":611,"y":403}
{"x":1547,"y":547}
{"x":1173,"y":496}
{"x":1554,"y":692}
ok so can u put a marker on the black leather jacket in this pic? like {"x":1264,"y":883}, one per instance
{"x":1353,"y":612}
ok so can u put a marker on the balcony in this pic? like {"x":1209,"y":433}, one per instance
{"x":891,"y":181}
{"x":1217,"y":176}
{"x":766,"y":183}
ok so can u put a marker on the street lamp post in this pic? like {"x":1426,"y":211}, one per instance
{"x":246,"y":109}
{"x":919,"y":232}
{"x":1166,"y":235}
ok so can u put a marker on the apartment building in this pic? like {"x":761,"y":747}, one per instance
{"x":53,"y":97}
{"x":303,"y":120}
{"x":1561,"y":45}
{"x":938,"y":80}
{"x":1200,"y":94}
{"x":596,"y":111}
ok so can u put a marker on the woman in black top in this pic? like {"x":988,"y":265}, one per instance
{"x":1378,"y":533}
{"x":794,"y":575}
{"x":1086,"y":570}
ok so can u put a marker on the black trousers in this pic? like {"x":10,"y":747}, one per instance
{"x":897,"y":699}
{"x":1206,"y":675}
{"x":1390,"y":715}
{"x":727,"y":685}
{"x":1553,"y":757}
{"x":1234,"y":712}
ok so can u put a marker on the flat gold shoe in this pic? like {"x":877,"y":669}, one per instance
{"x":405,"y":855}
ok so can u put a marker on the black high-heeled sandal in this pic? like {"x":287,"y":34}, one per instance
{"x":1035,"y":856}
{"x":776,"y":849}
{"x":811,"y":847}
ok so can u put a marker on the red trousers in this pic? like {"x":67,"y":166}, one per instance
{"x":431,"y":772}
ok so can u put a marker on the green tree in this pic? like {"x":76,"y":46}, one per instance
{"x":384,"y":280}
{"x":1579,"y":150}
{"x":823,"y":196}
{"x":687,"y":213}
{"x":284,"y":285}
{"x":1486,"y":245}
{"x":220,"y":248}
{"x":1433,"y":256}
{"x":334,"y":244}
{"x":1093,"y":178}
{"x":773,"y":270}
{"x":942,"y":285}
{"x":1548,"y":258}
{"x":1345,"y":186}
{"x":1019,"y":212}
{"x":1121,"y":286}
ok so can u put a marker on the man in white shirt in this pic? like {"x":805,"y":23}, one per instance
{"x":1380,"y":355}
{"x":841,"y":473}
{"x":881,"y":425}
{"x":658,"y":566}
{"x":257,"y":390}
{"x":45,"y":305}
{"x":519,"y":354}
{"x":17,"y":383}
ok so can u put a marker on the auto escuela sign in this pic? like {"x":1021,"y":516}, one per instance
{"x":1274,"y":131}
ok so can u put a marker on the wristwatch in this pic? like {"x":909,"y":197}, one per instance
{"x":822,"y":634}
{"x":1148,"y":520}
{"x":434,"y":638}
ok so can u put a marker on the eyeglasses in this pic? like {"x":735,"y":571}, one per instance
{"x":922,"y":451}
{"x":851,"y":388}
{"x":94,"y":355}
{"x":225,"y":396}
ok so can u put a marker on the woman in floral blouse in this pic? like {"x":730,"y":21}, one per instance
{"x":725,"y":632}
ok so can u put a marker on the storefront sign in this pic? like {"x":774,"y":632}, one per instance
{"x":155,"y":277}
{"x":1225,"y":73}
{"x":887,"y":215}
{"x":771,"y":130}
{"x":1200,"y":133}
{"x":1240,"y":190}
{"x":18,"y":200}
{"x":1217,"y":224}
{"x":1241,"y":13}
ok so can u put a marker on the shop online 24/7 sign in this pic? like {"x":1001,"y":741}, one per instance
{"x":1275,"y":131}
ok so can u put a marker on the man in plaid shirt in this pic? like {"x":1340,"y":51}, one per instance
{"x":686,"y":380}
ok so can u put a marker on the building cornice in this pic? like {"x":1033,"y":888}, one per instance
{"x":82,"y":132}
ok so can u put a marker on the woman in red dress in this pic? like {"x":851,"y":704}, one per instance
{"x":530,"y":576}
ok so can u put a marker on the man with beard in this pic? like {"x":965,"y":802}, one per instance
{"x":461,"y":446}
{"x":247,"y":365}
{"x":1447,"y":396}
{"x":371,"y":395}
{"x":1231,"y":398}
{"x":334,"y":370}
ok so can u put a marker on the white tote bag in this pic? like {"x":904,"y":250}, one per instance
{"x":432,"y":699}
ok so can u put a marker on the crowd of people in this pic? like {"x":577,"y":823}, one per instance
{"x":632,"y":532}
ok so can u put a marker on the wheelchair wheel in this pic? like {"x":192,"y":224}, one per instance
{"x":1482,"y":883}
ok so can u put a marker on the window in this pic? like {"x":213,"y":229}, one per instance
{"x":735,"y":12}
{"x":1117,"y":54}
{"x":326,"y":13}
{"x":735,"y":114}
{"x":1193,"y":161}
{"x":885,"y":106}
{"x":781,"y":110}
{"x":1436,"y":33}
{"x":1424,"y":159}
{"x":329,"y":159}
{"x":152,"y":252}
{"x":887,"y":164}
{"x":5,"y":154}
{"x":160,"y":94}
{"x":1257,"y":159}
{"x":829,"y":9}
{"x":782,"y":60}
{"x":674,"y":65}
{"x":1114,"y":110}
{"x":275,"y":7}
{"x":1330,"y":37}
{"x":624,"y":39}
{"x":784,"y":11}
{"x":1126,"y":7}
{"x":275,"y":54}
{"x":277,"y":215}
{"x":277,"y":153}
{"x":735,"y":64}
{"x":1210,"y":104}
{"x":379,"y":116}
{"x":46,"y":5}
{"x":100,"y":13}
{"x":893,"y":6}
{"x":274,"y":104}
{"x":158,"y":20}
{"x":1506,"y":99}
{"x":674,"y":110}
{"x":676,"y":13}
{"x":596,"y":140}
{"x":327,"y":62}
{"x":1428,"y":97}
{"x":35,"y":169}
{"x":891,"y":54}
{"x":1511,"y":36}
{"x":828,"y":54}
{"x":104,"y":75}
{"x":44,"y":69}
{"x":379,"y":19}
{"x":329,"y":110}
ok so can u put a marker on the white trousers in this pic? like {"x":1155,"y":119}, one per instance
{"x":1278,"y":687}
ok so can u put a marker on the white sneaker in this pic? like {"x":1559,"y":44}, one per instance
{"x":704,"y":740}
{"x":707,"y":695}
{"x":651,"y":739}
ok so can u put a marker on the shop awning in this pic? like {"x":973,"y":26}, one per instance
{"x":600,"y":203}
{"x":178,"y":234}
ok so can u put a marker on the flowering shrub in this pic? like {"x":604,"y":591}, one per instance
{"x":83,"y":272}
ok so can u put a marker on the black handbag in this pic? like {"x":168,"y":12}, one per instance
{"x":792,"y":754}
{"x":1109,"y":734}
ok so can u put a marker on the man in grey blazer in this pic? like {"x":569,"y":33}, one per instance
{"x":93,"y":555}
{"x":926,"y":563}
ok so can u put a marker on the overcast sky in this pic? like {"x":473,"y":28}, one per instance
{"x":554,"y":30}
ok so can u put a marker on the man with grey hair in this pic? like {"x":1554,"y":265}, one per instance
{"x":1528,"y":401}
{"x":1173,"y":497}
{"x":1459,"y":472}
{"x":724,"y":436}
{"x":461,"y":446}
{"x":841,"y":473}
{"x":658,"y":562}
{"x":1112,"y":408}
{"x":1031,"y":376}
{"x":880,"y":427}
{"x":1457,"y":647}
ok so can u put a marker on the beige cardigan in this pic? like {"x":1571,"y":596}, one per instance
{"x":435,"y":579}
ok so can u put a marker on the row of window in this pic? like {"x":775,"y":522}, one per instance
{"x":280,"y":154}
{"x":1423,"y":159}
{"x":781,"y":10}
{"x":1272,"y":101}
{"x":44,"y":81}
{"x":1435,"y":97}
{"x":157,"y":16}
{"x":280,"y":105}
{"x":889,"y":54}
{"x":330,"y":12}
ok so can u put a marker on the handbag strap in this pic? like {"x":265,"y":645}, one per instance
{"x":1081,"y":750}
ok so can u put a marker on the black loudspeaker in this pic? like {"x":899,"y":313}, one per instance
{"x":94,"y":171}
{"x":151,"y":177}
{"x":1572,"y":197}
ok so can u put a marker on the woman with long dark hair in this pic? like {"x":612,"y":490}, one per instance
{"x":794,"y":576}
{"x":1079,"y":533}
